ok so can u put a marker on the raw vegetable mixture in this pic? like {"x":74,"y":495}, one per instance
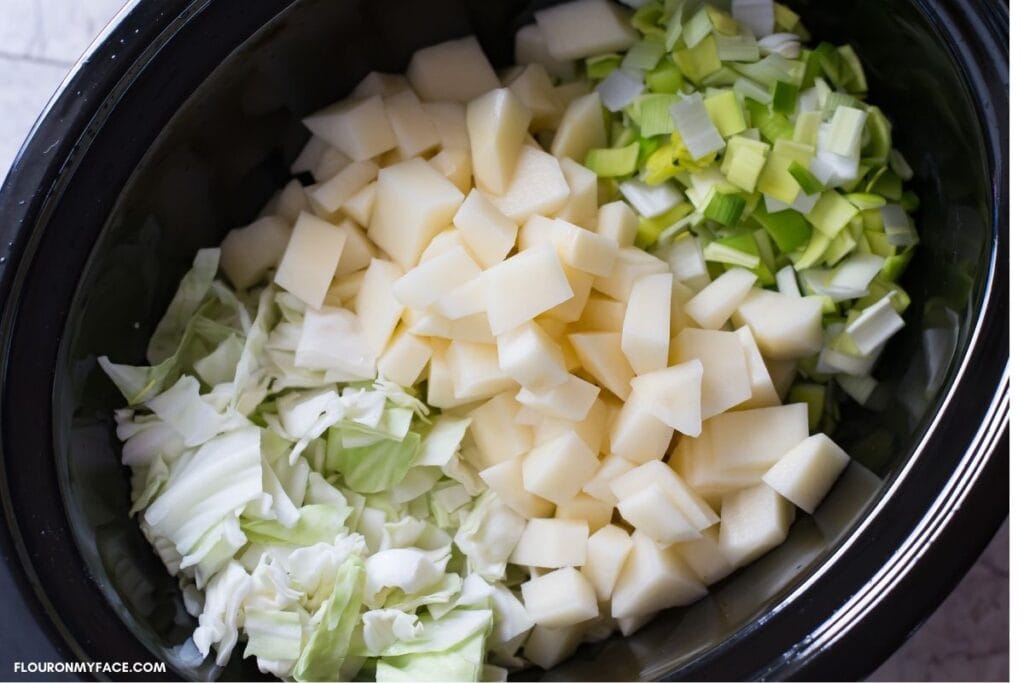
{"x":522,"y":357}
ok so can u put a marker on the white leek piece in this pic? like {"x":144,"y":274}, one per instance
{"x":648,"y":200}
{"x":695,"y":127}
{"x":620,"y":89}
{"x":899,"y":229}
{"x":875,"y":325}
{"x":756,"y":15}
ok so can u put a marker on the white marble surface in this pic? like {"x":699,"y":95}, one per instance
{"x":965,"y":640}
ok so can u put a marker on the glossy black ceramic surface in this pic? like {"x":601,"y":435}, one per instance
{"x":181,"y":123}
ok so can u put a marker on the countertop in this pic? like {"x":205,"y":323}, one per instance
{"x":967,"y":639}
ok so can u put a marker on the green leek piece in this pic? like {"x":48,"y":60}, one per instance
{"x":879,"y":289}
{"x":866,"y":201}
{"x":880,"y":131}
{"x":830,"y":62}
{"x":910,"y":201}
{"x":752,"y":91}
{"x":812,"y":68}
{"x":740,"y":250}
{"x":845,"y":131}
{"x":698,"y":62}
{"x":842,"y":244}
{"x":895,"y":264}
{"x":854,"y":79}
{"x":814,"y":396}
{"x":653,"y":115}
{"x":649,"y":229}
{"x":879,"y":243}
{"x":807,"y":181}
{"x":769,"y":70}
{"x":726,"y":113}
{"x":644,"y":55}
{"x":674,"y":26}
{"x":805,"y":131}
{"x":614,"y":162}
{"x":697,"y":28}
{"x":775,"y":180}
{"x":648,"y":146}
{"x":873,"y":220}
{"x":766,"y":250}
{"x":722,"y":21}
{"x":666,"y":78}
{"x":738,"y":48}
{"x":788,"y":229}
{"x":623,"y":135}
{"x":834,"y":100}
{"x":785,"y":18}
{"x":647,"y":20}
{"x":723,"y":78}
{"x":773,"y":125}
{"x":784,"y":96}
{"x":814,"y":253}
{"x":725,"y":208}
{"x":600,"y":66}
{"x":887,"y":184}
{"x":744,"y":159}
{"x":831,"y":213}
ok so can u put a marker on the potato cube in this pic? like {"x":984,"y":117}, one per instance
{"x":601,"y":355}
{"x":713,"y":305}
{"x":291,"y":202}
{"x":570,"y":400}
{"x":645,"y":329}
{"x":309,"y":156}
{"x":618,"y":222}
{"x":441,"y":243}
{"x":530,"y":357}
{"x":310,"y":259}
{"x":649,"y":510}
{"x":673,"y":395}
{"x":538,"y":186}
{"x":584,"y":28}
{"x":332,"y":194}
{"x":607,"y":550}
{"x":705,"y":557}
{"x":414,"y":132}
{"x":533,"y":87}
{"x":376,"y":306}
{"x":455,"y":165}
{"x":785,"y":327}
{"x":378,"y":83}
{"x":531,"y":48}
{"x":489,"y":234}
{"x":657,"y":473}
{"x":601,"y":314}
{"x":725,"y":383}
{"x":596,"y":513}
{"x":762,"y":388}
{"x":344,"y":289}
{"x":405,"y":358}
{"x":449,"y":119}
{"x":754,"y":440}
{"x":754,"y":520}
{"x":497,"y":437}
{"x":506,"y":479}
{"x":359,"y":128}
{"x":523,"y":287}
{"x":570,"y":310}
{"x":497,"y":123}
{"x":581,"y":129}
{"x":558,"y":469}
{"x":806,"y":473}
{"x":247,"y":253}
{"x":475,"y":371}
{"x":637,"y":435}
{"x":694,"y":460}
{"x":414,"y":202}
{"x":428,"y":282}
{"x":591,"y":429}
{"x":552,"y":544}
{"x":631,"y":264}
{"x":548,"y":647}
{"x":359,"y":207}
{"x":560,"y":598}
{"x":455,"y":70}
{"x":581,"y":208}
{"x":600,"y":485}
{"x":653,"y":579}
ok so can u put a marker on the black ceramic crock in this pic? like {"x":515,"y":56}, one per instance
{"x":177,"y":126}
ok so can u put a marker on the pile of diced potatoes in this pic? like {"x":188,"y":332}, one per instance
{"x":627,"y":406}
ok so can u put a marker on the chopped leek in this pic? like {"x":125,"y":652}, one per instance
{"x":695,"y":127}
{"x":725,"y":208}
{"x":807,"y":181}
{"x":620,"y":88}
{"x":615,"y":162}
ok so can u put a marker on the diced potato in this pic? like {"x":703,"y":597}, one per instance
{"x":376,"y":306}
{"x":359,"y":128}
{"x":467,"y":299}
{"x":754,"y":440}
{"x":431,"y":280}
{"x":530,"y":357}
{"x":607,"y":551}
{"x":532,"y":86}
{"x":645,"y":329}
{"x":524,"y":286}
{"x":331,"y":163}
{"x":558,"y":469}
{"x":359,"y":207}
{"x":405,"y":358}
{"x":785,"y":327}
{"x":581,"y":209}
{"x":414,"y":132}
{"x":344,"y":289}
{"x":331,"y":195}
{"x":754,"y":520}
{"x":455,"y":70}
{"x":585,"y":250}
{"x":570,"y":310}
{"x":475,"y":371}
{"x":538,"y":186}
{"x":762,"y":389}
{"x":783,"y":373}
{"x":657,"y":473}
{"x":531,"y":48}
{"x":596,"y":513}
{"x":601,"y":355}
{"x":653,"y":579}
{"x":725,"y":382}
{"x":560,"y":598}
{"x":694,"y":460}
{"x":585,"y":28}
{"x":291,"y":202}
{"x":441,"y":243}
{"x":713,"y":305}
{"x":601,"y":314}
{"x":497,"y":123}
{"x":570,"y":400}
{"x":309,"y":156}
{"x":455,"y":165}
{"x":673,"y":395}
{"x":681,"y":295}
{"x":548,"y":647}
{"x":600,"y":485}
{"x":450,"y":121}
{"x":618,"y":222}
{"x":705,"y":557}
{"x":497,"y":437}
{"x":310,"y":259}
{"x":581,"y":129}
{"x":506,"y":479}
{"x":631,"y":264}
{"x":331,"y":340}
{"x":552,"y":544}
{"x":414,"y":202}
{"x":649,"y":510}
{"x":440,"y":388}
{"x":472,"y":328}
{"x":806,"y":473}
{"x":592,"y":429}
{"x":685,"y":257}
{"x":378,"y":83}
{"x":637,"y":435}
{"x":630,"y":625}
{"x":426,"y":324}
{"x":488,"y":233}
{"x":247,"y":253}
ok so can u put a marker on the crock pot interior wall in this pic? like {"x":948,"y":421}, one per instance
{"x":227,"y":149}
